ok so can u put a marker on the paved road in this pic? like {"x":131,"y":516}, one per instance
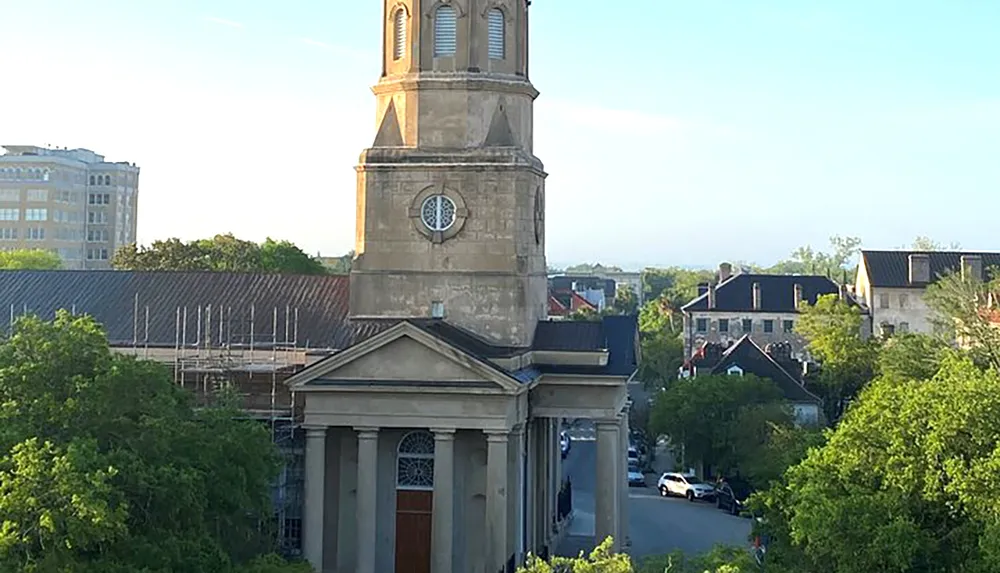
{"x":657,"y":525}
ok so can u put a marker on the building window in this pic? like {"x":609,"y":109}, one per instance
{"x":734,"y":370}
{"x":497,"y":46}
{"x":10,"y":195}
{"x":888,"y":329}
{"x":36,"y":214}
{"x":92,"y":179}
{"x":787,"y":326}
{"x":768,"y":326}
{"x":904,"y":327}
{"x":8,"y":233}
{"x":415,"y":461}
{"x":97,"y":254}
{"x":399,"y":34}
{"x":10,"y":214}
{"x":883,"y":301}
{"x":445,"y":31}
{"x":97,"y":217}
{"x":747,"y":324}
{"x":38,"y":195}
{"x":35,"y":234}
{"x":902,"y":301}
{"x":438,"y":213}
{"x":701,"y":324}
{"x":723,"y":325}
{"x":97,"y":235}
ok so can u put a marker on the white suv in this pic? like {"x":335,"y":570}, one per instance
{"x":688,"y":486}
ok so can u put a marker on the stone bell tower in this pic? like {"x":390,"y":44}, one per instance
{"x":451,"y":199}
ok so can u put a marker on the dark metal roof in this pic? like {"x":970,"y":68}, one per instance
{"x":777,"y":292}
{"x":892,"y":268}
{"x":233,"y":308}
{"x":619,"y":335}
{"x":753,"y":360}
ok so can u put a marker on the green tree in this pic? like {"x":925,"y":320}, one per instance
{"x":585,"y":313}
{"x":833,"y":331}
{"x":715,"y":417}
{"x":590,"y":269}
{"x":600,"y":560}
{"x":922,"y":243}
{"x":220,"y":253}
{"x":29,"y":259}
{"x":625,"y":300}
{"x":911,"y":356}
{"x":906,"y":483}
{"x":835,"y":263}
{"x":965,"y":311}
{"x":107,"y":467}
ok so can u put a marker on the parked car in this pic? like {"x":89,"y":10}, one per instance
{"x":635,"y":476}
{"x":685,"y":485}
{"x":732,"y":495}
{"x":565,"y":443}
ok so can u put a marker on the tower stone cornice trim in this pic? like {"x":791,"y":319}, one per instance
{"x":462,"y":81}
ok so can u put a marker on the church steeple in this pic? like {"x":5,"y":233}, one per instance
{"x":450,"y":194}
{"x":476,"y":36}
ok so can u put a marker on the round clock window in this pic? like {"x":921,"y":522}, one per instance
{"x":438,"y":213}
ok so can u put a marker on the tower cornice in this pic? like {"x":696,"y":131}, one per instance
{"x":467,"y":82}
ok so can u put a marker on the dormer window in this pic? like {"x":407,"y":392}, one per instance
{"x":445,"y":31}
{"x":497,"y":28}
{"x":399,"y":34}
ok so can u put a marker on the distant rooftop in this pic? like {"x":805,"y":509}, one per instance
{"x":79,"y":154}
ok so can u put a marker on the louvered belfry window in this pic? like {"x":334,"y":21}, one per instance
{"x":445,"y":31}
{"x":399,"y":34}
{"x":496,"y":31}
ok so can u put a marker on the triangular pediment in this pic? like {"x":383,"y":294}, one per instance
{"x":389,"y":133}
{"x":404,"y":355}
{"x":500,"y":134}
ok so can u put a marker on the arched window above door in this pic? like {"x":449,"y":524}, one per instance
{"x":415,"y":461}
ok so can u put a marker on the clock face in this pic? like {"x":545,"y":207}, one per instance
{"x":539,"y":215}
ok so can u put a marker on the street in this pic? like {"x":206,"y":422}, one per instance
{"x":657,"y":525}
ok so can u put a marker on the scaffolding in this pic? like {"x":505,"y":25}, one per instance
{"x":221,"y":352}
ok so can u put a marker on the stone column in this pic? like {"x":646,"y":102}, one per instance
{"x":546,"y":509}
{"x":606,"y":502}
{"x":623,"y":532}
{"x":532,"y":489}
{"x":367,"y":498}
{"x":517,"y":497}
{"x":443,"y":513}
{"x":557,"y":477}
{"x":496,"y":502}
{"x":314,"y":503}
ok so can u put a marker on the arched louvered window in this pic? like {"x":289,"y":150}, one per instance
{"x":399,"y":34}
{"x":415,"y":461}
{"x":496,"y":23}
{"x":445,"y":31}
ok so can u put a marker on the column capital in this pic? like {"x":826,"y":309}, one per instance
{"x":315,"y":431}
{"x":366,"y":432}
{"x":443,"y":434}
{"x":497,"y":437}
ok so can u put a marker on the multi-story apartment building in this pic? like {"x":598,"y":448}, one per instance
{"x":68,"y":201}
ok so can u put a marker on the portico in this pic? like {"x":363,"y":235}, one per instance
{"x":455,"y":471}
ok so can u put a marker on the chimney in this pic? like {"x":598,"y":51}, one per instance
{"x":725,"y":271}
{"x":711,"y":296}
{"x":702,"y":288}
{"x":756,"y":296}
{"x":797,"y":296}
{"x":972,"y":267}
{"x":843,"y":292}
{"x":920,"y":268}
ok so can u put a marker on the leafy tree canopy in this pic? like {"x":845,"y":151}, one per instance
{"x":106,"y":467}
{"x":718,"y":419}
{"x":595,"y":268}
{"x":906,"y":483}
{"x":220,"y":253}
{"x":835,"y":263}
{"x":927,"y":244}
{"x":29,"y":259}
{"x":965,"y":311}
{"x":833,"y":331}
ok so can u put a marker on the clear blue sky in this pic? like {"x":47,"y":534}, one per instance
{"x":674,"y":132}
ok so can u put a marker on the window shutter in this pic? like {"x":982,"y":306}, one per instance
{"x":445,"y":31}
{"x":399,"y":35}
{"x":496,"y":32}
